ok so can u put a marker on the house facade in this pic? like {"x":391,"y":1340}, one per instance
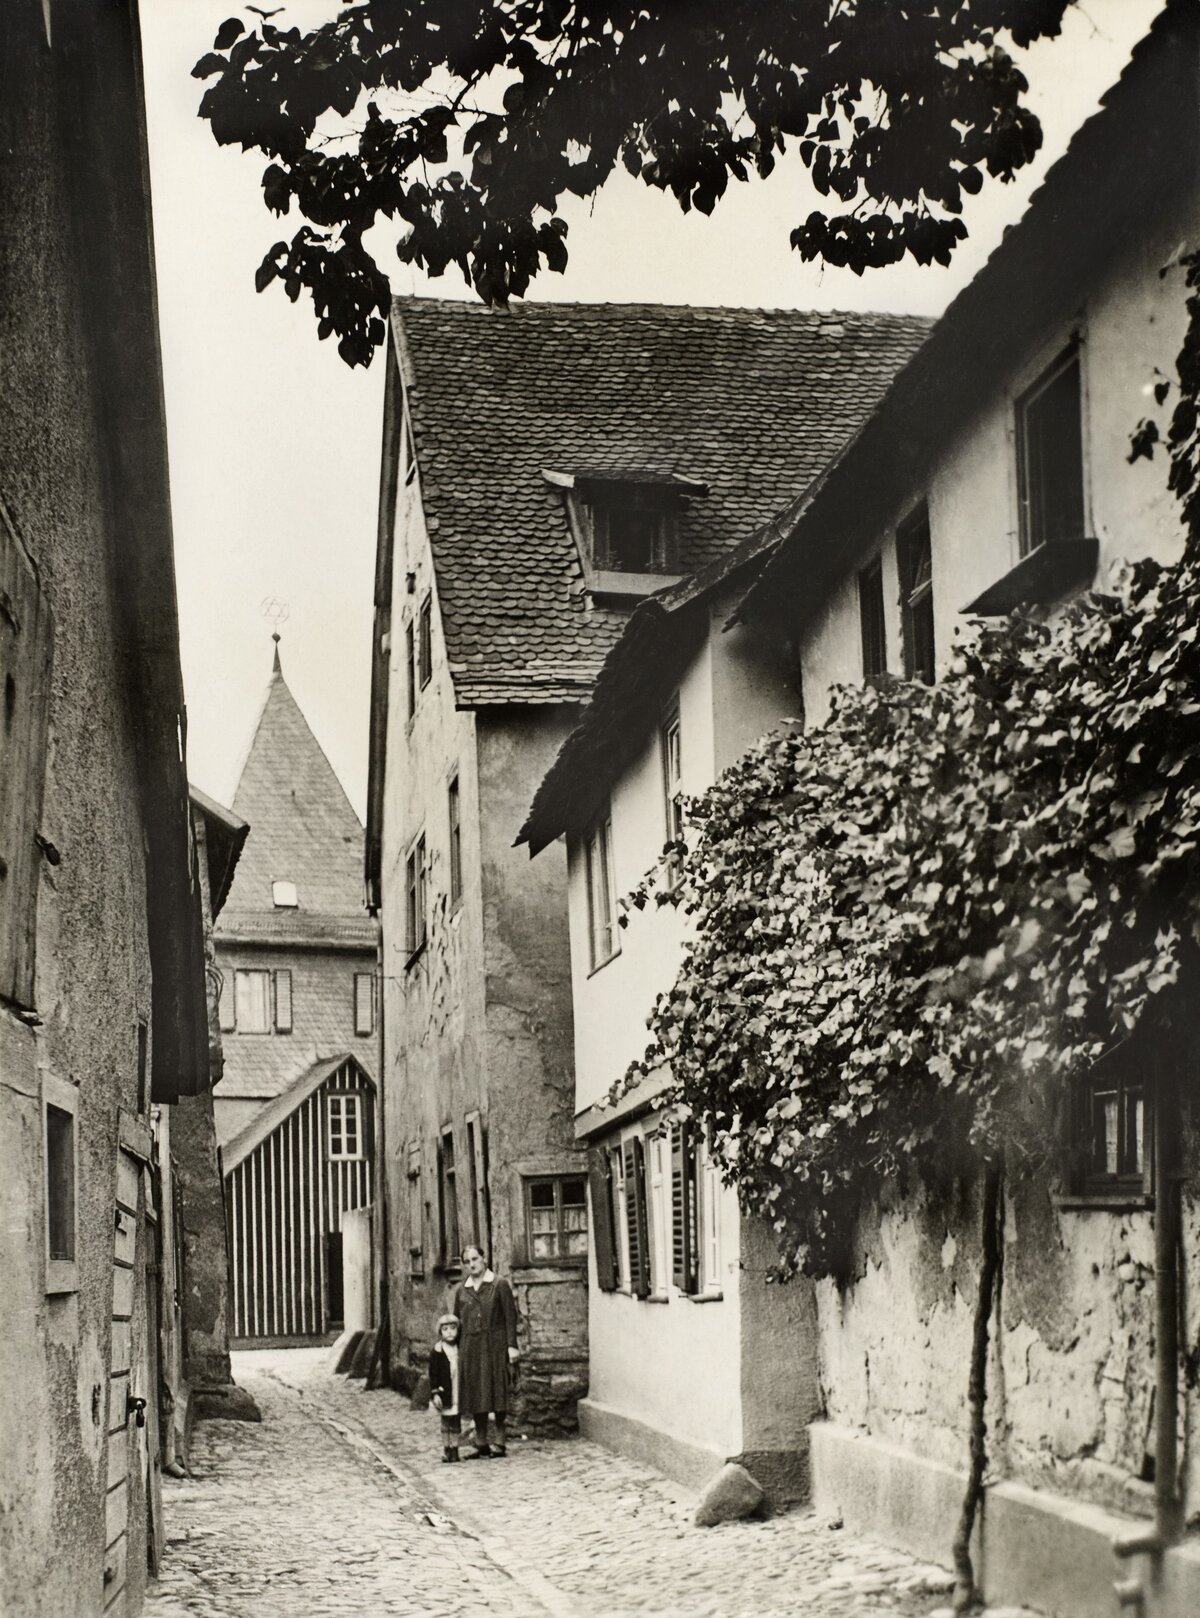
{"x":996,"y":476}
{"x":608,"y":452}
{"x":295,"y":1108}
{"x":102,"y":1002}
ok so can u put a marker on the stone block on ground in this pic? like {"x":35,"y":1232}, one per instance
{"x":731,"y":1495}
{"x":229,"y":1403}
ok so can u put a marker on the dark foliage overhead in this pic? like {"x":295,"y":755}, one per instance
{"x":467,"y":120}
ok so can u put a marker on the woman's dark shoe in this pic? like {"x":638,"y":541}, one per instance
{"x":498,"y":1450}
{"x":482,"y":1453}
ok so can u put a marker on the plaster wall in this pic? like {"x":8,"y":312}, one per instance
{"x":1131,"y":321}
{"x":747,"y":1358}
{"x":1070,"y":1388}
{"x":93,"y":982}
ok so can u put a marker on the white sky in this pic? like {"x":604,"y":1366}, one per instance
{"x":275,"y":443}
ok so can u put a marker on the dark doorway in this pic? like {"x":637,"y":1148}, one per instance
{"x":335,"y":1308}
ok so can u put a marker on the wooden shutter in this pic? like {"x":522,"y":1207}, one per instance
{"x":603,"y":1234}
{"x":228,"y":1021}
{"x":26,"y":659}
{"x":283,"y":1002}
{"x":685,"y":1243}
{"x":644,"y":1280}
{"x":633,"y":1223}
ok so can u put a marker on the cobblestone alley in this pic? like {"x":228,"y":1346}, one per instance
{"x":338,"y":1504}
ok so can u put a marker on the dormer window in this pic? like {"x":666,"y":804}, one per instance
{"x":284,"y":895}
{"x":626,"y":527}
{"x":632,"y":530}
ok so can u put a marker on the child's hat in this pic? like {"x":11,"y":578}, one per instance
{"x":447,"y":1320}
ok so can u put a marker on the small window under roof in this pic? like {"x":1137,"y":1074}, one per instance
{"x":284,"y":895}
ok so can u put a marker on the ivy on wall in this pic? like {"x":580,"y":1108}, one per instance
{"x":918,"y":925}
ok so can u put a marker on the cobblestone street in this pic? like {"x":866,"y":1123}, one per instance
{"x":338,"y":1504}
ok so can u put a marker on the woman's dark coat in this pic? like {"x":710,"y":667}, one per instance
{"x":489,"y":1329}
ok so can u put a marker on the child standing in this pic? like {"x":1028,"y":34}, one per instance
{"x":443,"y":1384}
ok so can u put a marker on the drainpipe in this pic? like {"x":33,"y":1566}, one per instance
{"x":1168,"y":1508}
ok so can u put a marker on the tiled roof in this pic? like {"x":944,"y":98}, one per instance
{"x":751,"y":403}
{"x":302,"y":829}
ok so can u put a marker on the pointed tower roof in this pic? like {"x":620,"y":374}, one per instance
{"x":303,"y":832}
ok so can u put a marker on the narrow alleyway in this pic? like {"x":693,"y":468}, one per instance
{"x":338,"y":1504}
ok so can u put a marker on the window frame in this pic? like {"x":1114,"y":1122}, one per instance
{"x":872,"y":619}
{"x":597,"y":848}
{"x":62,"y":1271}
{"x":918,"y":636}
{"x":410,"y":667}
{"x":454,"y":822}
{"x":1087,"y":1185}
{"x":449,"y":1222}
{"x":606,"y":513}
{"x":560,"y":1258}
{"x":1031,"y":523}
{"x":416,"y":916}
{"x":349,"y":1105}
{"x":425,"y":640}
{"x":671,"y":757}
{"x":481,"y":1212}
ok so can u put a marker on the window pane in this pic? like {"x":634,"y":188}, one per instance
{"x":1050,"y":443}
{"x":252,"y":1002}
{"x":364,"y":1006}
{"x":544,"y":1246}
{"x":1104,"y":1131}
{"x":60,"y":1182}
{"x":283,"y":1002}
{"x":284,"y":895}
{"x":541,"y":1194}
{"x":574,"y":1193}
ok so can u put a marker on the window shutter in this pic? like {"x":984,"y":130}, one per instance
{"x":679,"y":1258}
{"x":26,"y":657}
{"x":603,"y":1235}
{"x":228,"y":1021}
{"x":633,"y":1223}
{"x":644,"y":1278}
{"x":283,"y":1002}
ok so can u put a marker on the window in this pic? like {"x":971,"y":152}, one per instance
{"x":410,"y":666}
{"x":414,"y":896}
{"x":449,"y":1240}
{"x":481,"y":1223}
{"x":870,"y":614}
{"x":364,"y":1002}
{"x":556,"y":1218}
{"x":601,"y":897}
{"x":425,"y":642}
{"x":284,"y":895}
{"x":283,"y":1002}
{"x":252,"y":1002}
{"x":454,"y":804}
{"x":60,"y":1102}
{"x":915,"y":557}
{"x":672,"y":789}
{"x":416,"y":1212}
{"x":26,"y":657}
{"x":345,"y":1124}
{"x":632,"y":532}
{"x":1113,"y":1120}
{"x":1050,"y":455}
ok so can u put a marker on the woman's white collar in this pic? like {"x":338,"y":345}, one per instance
{"x":476,"y":1281}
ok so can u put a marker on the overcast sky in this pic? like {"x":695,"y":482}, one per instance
{"x":275,"y":444}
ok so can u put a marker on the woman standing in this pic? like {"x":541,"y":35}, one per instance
{"x":485,"y":1306}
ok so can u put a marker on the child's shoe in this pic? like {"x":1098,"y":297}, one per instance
{"x":450,"y":1455}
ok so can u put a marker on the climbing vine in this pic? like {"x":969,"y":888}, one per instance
{"x":917,"y":925}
